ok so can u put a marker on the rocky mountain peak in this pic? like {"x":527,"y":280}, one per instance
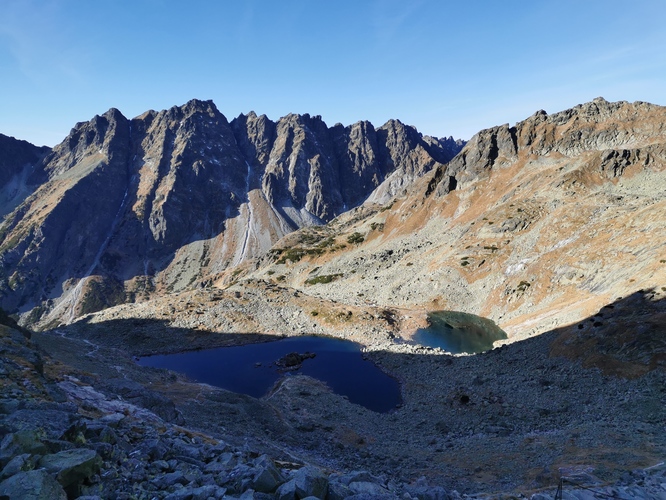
{"x":92,"y":141}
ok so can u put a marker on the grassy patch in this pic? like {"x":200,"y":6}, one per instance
{"x":296,"y":254}
{"x":355,"y":238}
{"x":310,"y":239}
{"x":326,"y":243}
{"x":323,"y":279}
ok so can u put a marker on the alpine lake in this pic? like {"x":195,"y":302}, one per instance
{"x":254,"y":369}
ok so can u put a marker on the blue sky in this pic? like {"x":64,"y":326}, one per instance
{"x":448,"y":68}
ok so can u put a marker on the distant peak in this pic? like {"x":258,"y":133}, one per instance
{"x":114,"y":114}
{"x":199,"y":105}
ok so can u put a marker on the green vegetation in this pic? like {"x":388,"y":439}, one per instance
{"x":377,"y":226}
{"x":34,"y":315}
{"x":295,"y":254}
{"x":101,"y":294}
{"x":323,"y":279}
{"x":13,"y":242}
{"x":355,"y":238}
{"x":523,"y":285}
{"x":314,"y":313}
{"x":310,"y":239}
{"x":326,"y":243}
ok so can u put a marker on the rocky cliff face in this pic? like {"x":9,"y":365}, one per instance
{"x":595,"y":126}
{"x":123,"y":208}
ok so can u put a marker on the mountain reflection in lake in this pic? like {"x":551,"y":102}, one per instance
{"x":458,"y":332}
{"x":251,"y":369}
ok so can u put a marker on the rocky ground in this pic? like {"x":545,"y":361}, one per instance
{"x":584,"y":402}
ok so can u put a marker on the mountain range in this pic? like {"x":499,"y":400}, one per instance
{"x":123,"y":209}
{"x":181,"y":230}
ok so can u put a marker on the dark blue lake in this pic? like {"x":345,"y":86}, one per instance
{"x":458,"y":332}
{"x":252,"y":369}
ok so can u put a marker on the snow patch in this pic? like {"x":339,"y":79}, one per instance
{"x":516,"y":268}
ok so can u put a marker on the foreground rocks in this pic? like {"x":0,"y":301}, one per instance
{"x":64,"y":439}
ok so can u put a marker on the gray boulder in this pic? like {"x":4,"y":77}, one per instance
{"x":338,"y":491}
{"x":17,"y":464}
{"x":268,"y":477}
{"x":368,"y":488}
{"x":19,"y":443}
{"x":200,"y":493}
{"x":32,"y":485}
{"x":310,"y":482}
{"x":72,"y":467}
{"x":286,"y":491}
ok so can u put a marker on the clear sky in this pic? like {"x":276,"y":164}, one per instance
{"x":446,"y":67}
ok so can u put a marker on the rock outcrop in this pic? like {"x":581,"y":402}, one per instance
{"x":125,"y":208}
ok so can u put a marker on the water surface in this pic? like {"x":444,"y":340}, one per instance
{"x":251,"y":369}
{"x":458,"y":332}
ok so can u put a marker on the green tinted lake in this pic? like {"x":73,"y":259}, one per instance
{"x":458,"y":332}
